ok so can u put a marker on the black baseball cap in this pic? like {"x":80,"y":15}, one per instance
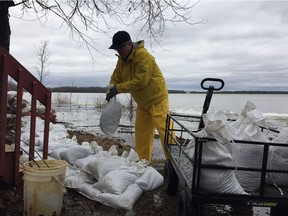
{"x":119,"y":38}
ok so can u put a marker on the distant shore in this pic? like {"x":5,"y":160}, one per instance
{"x":103,"y":90}
{"x":243,"y":92}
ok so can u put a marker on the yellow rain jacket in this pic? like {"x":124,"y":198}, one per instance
{"x":140,"y":76}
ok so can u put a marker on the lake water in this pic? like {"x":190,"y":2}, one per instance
{"x":79,"y":108}
{"x":266,"y":103}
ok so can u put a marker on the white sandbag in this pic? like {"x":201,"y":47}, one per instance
{"x":113,"y":150}
{"x":57,"y":135}
{"x":72,"y":141}
{"x":86,"y":145}
{"x":248,"y":155}
{"x":79,"y":178}
{"x":278,"y":160}
{"x":220,"y":182}
{"x":74,"y":153}
{"x":117,"y":180}
{"x":70,"y":171}
{"x":95,"y":147}
{"x":56,"y":153}
{"x":256,"y":117}
{"x":102,"y":154}
{"x":242,"y":129}
{"x":101,"y":166}
{"x":110,"y":117}
{"x":87,"y":190}
{"x":246,"y":127}
{"x":150,"y":179}
{"x":11,"y":94}
{"x":215,"y":153}
{"x":125,"y":200}
{"x":253,"y":115}
{"x":58,"y":128}
{"x":84,"y":161}
{"x":190,"y":149}
{"x":215,"y":126}
{"x":216,"y":180}
{"x":54,"y":145}
{"x":133,"y":156}
{"x":124,"y":154}
{"x":282,"y":136}
{"x":139,"y":166}
{"x":212,"y":153}
{"x":249,"y":106}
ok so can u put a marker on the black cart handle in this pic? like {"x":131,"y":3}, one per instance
{"x":212,"y":80}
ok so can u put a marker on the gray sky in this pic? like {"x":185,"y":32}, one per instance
{"x":245,"y":43}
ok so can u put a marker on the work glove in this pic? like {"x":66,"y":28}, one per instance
{"x":112,"y":92}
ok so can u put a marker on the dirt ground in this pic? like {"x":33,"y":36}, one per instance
{"x":156,"y":202}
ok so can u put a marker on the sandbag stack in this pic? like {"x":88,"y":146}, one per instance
{"x":224,"y":151}
{"x":105,"y":177}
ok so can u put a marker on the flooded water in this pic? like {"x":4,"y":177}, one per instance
{"x":80,"y":106}
{"x":265,"y":103}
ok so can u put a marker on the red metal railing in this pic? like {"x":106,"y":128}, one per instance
{"x":10,"y":67}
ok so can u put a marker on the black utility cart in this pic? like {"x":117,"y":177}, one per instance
{"x":180,"y":168}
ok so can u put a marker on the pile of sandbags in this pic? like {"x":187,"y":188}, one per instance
{"x":103,"y":176}
{"x":224,"y":151}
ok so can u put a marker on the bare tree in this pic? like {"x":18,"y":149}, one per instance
{"x":43,"y":56}
{"x":82,"y":16}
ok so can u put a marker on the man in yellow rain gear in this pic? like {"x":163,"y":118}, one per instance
{"x":137,"y":73}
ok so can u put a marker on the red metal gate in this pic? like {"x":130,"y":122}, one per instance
{"x":9,"y":158}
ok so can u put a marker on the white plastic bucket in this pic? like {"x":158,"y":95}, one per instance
{"x":44,"y":187}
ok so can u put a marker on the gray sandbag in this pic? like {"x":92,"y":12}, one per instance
{"x":110,"y":117}
{"x":278,"y":160}
{"x":74,"y":153}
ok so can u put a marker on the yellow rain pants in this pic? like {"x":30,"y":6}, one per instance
{"x":146,"y":122}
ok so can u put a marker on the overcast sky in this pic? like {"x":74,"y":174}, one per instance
{"x":245,"y":43}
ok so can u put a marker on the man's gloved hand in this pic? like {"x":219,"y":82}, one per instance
{"x":112,"y":92}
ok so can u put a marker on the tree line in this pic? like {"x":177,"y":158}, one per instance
{"x":98,"y":89}
{"x":93,"y":89}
